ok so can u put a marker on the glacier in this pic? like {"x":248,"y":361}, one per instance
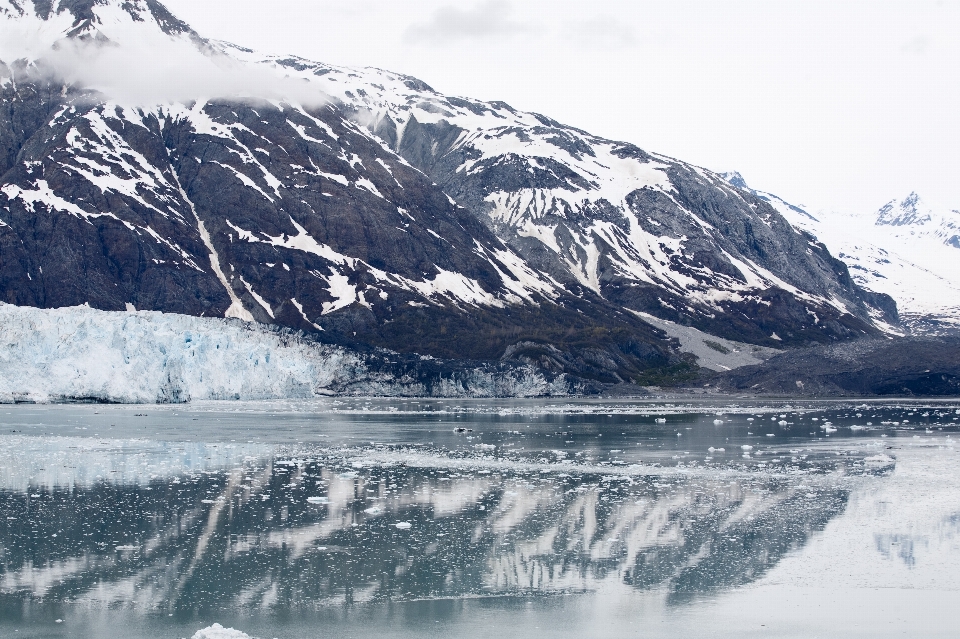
{"x":83,"y":354}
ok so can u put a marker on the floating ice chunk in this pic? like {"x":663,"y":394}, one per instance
{"x":747,"y":447}
{"x":717,"y":422}
{"x":317,"y":500}
{"x":374,"y":510}
{"x":128,"y":547}
{"x":403,"y":525}
{"x":661,"y":420}
{"x":749,"y":419}
{"x":216,"y":631}
{"x":782,"y":422}
{"x":716,"y":450}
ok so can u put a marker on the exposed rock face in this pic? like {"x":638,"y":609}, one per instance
{"x":389,"y":216}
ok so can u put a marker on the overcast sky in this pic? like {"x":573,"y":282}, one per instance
{"x":830,"y":104}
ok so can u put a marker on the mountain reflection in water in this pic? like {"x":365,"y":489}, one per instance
{"x":275,"y":532}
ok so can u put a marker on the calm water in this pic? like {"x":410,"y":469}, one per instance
{"x":363,"y":518}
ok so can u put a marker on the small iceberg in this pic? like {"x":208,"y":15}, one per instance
{"x":216,"y":631}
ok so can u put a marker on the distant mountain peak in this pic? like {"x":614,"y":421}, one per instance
{"x":914,"y":216}
{"x":910,"y":211}
{"x":735,"y":179}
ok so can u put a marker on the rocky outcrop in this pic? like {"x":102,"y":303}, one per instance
{"x":906,"y":367}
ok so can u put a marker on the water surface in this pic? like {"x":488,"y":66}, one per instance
{"x":357,"y":518}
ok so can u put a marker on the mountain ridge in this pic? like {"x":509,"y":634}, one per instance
{"x":432,"y":224}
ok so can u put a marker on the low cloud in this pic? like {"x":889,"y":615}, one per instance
{"x":487,"y":20}
{"x":152,"y":69}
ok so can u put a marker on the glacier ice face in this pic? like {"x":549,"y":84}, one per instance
{"x":145,"y":357}
{"x":82,"y":354}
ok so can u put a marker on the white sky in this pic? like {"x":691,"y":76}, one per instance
{"x":831,"y":104}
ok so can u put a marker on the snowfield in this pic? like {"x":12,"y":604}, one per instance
{"x":82,"y":354}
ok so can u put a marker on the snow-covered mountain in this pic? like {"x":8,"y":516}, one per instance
{"x":914,"y":218}
{"x":908,"y":249}
{"x":145,"y":167}
{"x":649,"y":232}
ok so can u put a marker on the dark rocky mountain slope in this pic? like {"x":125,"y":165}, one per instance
{"x":921,"y":366}
{"x":648,"y":232}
